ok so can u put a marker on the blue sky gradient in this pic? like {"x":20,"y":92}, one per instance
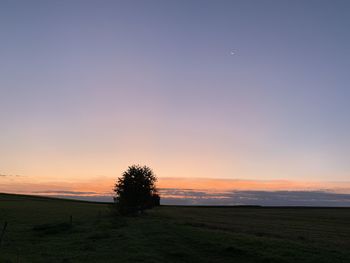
{"x":90,"y":87}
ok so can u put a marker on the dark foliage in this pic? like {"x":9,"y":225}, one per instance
{"x":135,"y":191}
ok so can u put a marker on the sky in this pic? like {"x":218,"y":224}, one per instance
{"x":233,"y":90}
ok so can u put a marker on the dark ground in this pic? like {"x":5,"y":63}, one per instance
{"x":39,"y":230}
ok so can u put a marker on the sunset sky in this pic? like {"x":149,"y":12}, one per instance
{"x":250,"y":90}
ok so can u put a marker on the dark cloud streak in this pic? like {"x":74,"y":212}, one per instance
{"x":66,"y":192}
{"x":263,"y":198}
{"x":173,"y":196}
{"x":10,"y":175}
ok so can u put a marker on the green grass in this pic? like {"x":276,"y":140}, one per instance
{"x":39,"y":230}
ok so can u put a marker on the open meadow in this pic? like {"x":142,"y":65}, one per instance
{"x":53,"y":230}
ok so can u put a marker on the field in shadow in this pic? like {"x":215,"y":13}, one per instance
{"x":53,"y":230}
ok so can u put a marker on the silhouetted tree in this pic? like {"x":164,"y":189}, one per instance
{"x":135,"y":190}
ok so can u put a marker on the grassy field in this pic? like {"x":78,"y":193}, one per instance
{"x":40,"y":230}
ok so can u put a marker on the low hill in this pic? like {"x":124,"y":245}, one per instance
{"x":54,"y":230}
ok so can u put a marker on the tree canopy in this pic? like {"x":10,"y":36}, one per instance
{"x":135,"y":190}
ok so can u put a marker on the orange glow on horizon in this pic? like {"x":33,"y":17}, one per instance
{"x":104,"y":185}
